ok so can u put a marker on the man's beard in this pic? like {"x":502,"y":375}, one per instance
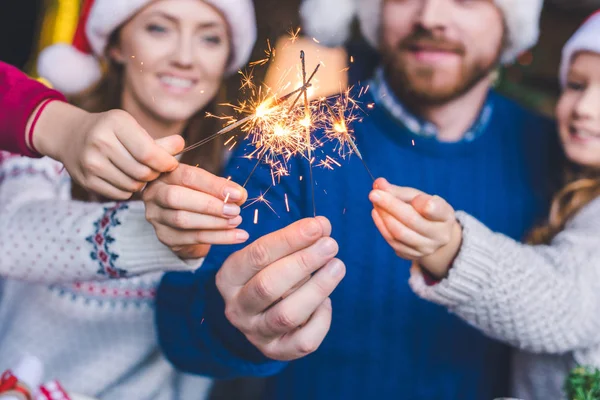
{"x":416,"y":84}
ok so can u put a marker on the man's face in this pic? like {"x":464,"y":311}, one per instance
{"x":437,"y":50}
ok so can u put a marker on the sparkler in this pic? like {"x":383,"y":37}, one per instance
{"x":280,"y":127}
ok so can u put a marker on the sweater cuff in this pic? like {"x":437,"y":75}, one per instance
{"x":470,"y":272}
{"x":139,"y":250}
{"x":23,"y":102}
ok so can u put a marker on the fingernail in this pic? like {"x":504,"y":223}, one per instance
{"x":375,"y":196}
{"x":233,"y":194}
{"x":311,"y":228}
{"x":235,"y":221}
{"x":336,"y":268}
{"x":432,"y":204}
{"x":242,"y":235}
{"x":326,"y":246}
{"x":231,"y":210}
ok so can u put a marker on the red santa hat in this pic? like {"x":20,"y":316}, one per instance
{"x":75,"y":67}
{"x":584,"y":39}
{"x":329,"y":21}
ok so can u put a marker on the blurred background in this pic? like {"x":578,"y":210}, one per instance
{"x":26,"y":26}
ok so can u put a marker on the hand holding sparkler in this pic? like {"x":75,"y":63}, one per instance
{"x":418,"y":226}
{"x":188,"y":210}
{"x":277,"y":289}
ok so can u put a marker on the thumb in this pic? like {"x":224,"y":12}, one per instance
{"x":172,"y":144}
{"x":433,"y":208}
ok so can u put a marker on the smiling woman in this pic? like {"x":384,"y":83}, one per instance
{"x":81,"y":297}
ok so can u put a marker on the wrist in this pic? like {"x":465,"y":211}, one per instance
{"x":55,"y":128}
{"x":439,"y":263}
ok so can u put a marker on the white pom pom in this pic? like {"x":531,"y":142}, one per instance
{"x":329,"y":21}
{"x":67,"y":69}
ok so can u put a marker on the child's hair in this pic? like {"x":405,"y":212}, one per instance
{"x":580,"y":188}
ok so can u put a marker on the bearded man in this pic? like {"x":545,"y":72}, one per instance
{"x":332,"y":283}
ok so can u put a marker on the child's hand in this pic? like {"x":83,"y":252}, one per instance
{"x":418,"y":226}
{"x":107,"y":153}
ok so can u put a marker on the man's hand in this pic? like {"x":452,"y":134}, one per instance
{"x":188,"y":211}
{"x":277,"y":289}
{"x":108,"y":153}
{"x":417,"y":226}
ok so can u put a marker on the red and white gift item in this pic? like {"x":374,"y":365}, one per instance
{"x":52,"y":391}
{"x":23,"y":381}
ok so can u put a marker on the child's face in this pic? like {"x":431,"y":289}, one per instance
{"x":578,"y":111}
{"x":175,"y":53}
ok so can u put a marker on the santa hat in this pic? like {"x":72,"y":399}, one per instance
{"x":584,"y":39}
{"x":329,"y":21}
{"x":74,"y":68}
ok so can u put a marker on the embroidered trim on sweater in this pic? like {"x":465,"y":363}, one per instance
{"x":101,"y":241}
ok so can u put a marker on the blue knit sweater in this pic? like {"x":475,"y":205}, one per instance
{"x":384,"y":341}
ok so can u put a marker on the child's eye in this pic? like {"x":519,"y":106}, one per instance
{"x":155,"y":28}
{"x":575,"y":85}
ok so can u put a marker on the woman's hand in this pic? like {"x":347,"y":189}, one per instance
{"x":188,"y":211}
{"x":107,"y":153}
{"x":418,"y":226}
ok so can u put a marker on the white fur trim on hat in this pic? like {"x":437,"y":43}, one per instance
{"x":67,"y":69}
{"x":584,"y":39}
{"x":72,"y":71}
{"x":521,"y":18}
{"x":318,"y":22}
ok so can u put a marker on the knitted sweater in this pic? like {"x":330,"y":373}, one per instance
{"x":58,"y":299}
{"x":384,"y":341}
{"x":544,"y":300}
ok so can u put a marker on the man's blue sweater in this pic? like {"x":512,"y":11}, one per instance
{"x":384,"y":342}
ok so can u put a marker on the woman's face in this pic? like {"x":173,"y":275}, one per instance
{"x":578,"y":111}
{"x":175,"y":53}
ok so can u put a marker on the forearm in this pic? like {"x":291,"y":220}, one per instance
{"x":540,"y":298}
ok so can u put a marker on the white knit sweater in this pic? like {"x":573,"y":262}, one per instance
{"x":543,"y":300}
{"x":58,"y":299}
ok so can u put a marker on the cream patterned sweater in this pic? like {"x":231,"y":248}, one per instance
{"x":60,"y":299}
{"x":543,"y":300}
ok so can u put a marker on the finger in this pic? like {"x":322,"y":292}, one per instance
{"x":184,"y":199}
{"x":403,"y":234}
{"x":305,"y":340}
{"x":142,"y":147}
{"x":203,"y":181}
{"x":401,"y":250}
{"x":434,"y":208}
{"x":296,"y":309}
{"x":186,"y":220}
{"x":125,"y":162}
{"x":103,"y":188}
{"x":192,"y":252}
{"x":295,"y":287}
{"x":172,"y":144}
{"x":178,"y":238}
{"x":270,"y":284}
{"x":114,"y":176}
{"x":405,"y":213}
{"x":243,"y":265}
{"x":406,"y":194}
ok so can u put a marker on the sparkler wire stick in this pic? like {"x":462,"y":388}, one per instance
{"x":348,"y":137}
{"x":307,"y":128}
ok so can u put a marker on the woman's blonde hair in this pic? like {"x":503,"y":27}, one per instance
{"x":581,"y":186}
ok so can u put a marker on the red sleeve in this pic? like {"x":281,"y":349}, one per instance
{"x":19,"y":97}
